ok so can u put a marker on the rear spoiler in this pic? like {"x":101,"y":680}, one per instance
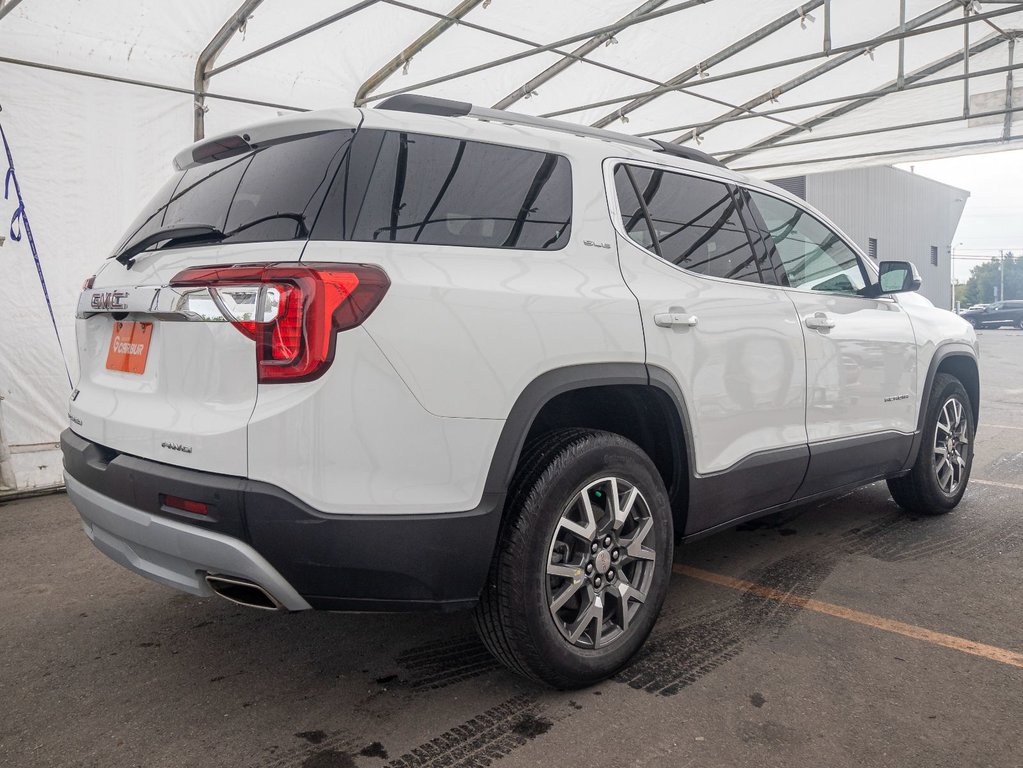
{"x":262,"y":134}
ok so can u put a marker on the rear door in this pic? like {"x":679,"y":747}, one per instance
{"x":718,"y":326}
{"x":164,"y":372}
{"x":861,"y":384}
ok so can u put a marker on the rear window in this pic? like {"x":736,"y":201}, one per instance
{"x":271,"y":193}
{"x":414,"y":188}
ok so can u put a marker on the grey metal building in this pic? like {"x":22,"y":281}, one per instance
{"x":892,"y":214}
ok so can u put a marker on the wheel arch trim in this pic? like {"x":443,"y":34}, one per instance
{"x":943,"y":352}
{"x":545,"y":387}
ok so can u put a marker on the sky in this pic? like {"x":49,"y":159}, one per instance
{"x":993,"y":217}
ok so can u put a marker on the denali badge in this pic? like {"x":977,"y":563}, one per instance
{"x":108,"y":300}
{"x":596,"y":245}
{"x":177,"y":447}
{"x":893,"y":398}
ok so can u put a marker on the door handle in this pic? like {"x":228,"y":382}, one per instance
{"x":675,"y":318}
{"x":819,"y":321}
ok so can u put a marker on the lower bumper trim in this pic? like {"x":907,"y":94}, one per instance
{"x":173,"y":553}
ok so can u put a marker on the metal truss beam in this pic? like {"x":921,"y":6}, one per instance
{"x":612,"y":28}
{"x":835,"y":63}
{"x":582,"y":51}
{"x":209,"y":55}
{"x":6,"y":6}
{"x":861,"y":46}
{"x":146,"y":84}
{"x":725,"y":53}
{"x":377,"y":78}
{"x":833,"y":100}
{"x":293,"y":36}
{"x":889,"y":88}
{"x":737,"y":153}
{"x":886,"y":153}
{"x":572,"y":55}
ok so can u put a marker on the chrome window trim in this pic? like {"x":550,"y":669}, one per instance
{"x":611,"y":195}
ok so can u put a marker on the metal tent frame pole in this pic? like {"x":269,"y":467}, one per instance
{"x":833,"y":100}
{"x":375,"y":80}
{"x":613,"y":28}
{"x":860,"y":46}
{"x":574,"y":56}
{"x":886,"y":90}
{"x":883,"y":153}
{"x":583,"y":50}
{"x":6,"y":6}
{"x":147,"y":84}
{"x":209,"y":55}
{"x":724,"y":54}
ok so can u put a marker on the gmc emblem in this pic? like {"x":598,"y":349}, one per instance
{"x":110,"y":300}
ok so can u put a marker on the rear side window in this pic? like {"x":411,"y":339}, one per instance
{"x":414,"y":188}
{"x":271,"y":193}
{"x":692,"y":222}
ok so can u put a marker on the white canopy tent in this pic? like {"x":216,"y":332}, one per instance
{"x":97,"y":96}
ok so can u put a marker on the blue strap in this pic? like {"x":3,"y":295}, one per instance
{"x":20,"y":226}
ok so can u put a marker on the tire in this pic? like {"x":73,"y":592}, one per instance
{"x":972,"y":321}
{"x":934,"y":487}
{"x":519,"y":617}
{"x":1019,"y":323}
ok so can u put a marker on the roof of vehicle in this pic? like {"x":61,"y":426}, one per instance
{"x":463,"y":120}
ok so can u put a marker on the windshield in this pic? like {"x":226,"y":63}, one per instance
{"x":271,"y":193}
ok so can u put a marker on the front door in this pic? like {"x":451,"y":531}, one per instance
{"x":861,"y":393}
{"x":717,"y":325}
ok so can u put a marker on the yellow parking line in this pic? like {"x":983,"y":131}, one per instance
{"x":996,"y":484}
{"x":838,"y":611}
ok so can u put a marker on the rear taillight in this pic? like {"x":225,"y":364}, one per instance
{"x":292,"y":311}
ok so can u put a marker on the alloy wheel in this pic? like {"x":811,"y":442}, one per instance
{"x":951,"y":445}
{"x":600,"y":563}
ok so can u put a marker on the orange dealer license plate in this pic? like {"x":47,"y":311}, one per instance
{"x":129,"y":347}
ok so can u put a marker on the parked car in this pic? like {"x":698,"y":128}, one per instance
{"x":994,"y":315}
{"x":431,"y":356}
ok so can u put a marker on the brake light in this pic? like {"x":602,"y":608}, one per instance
{"x":297,"y":310}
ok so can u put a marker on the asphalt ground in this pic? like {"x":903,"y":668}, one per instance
{"x":844,"y":633}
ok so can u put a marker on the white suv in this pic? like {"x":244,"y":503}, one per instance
{"x":435,"y":356}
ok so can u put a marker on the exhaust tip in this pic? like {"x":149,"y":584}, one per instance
{"x":243,"y":592}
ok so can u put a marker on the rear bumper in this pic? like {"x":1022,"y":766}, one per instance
{"x":172,"y":553}
{"x":303,"y":557}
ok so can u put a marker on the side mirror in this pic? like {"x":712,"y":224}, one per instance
{"x":894,"y":277}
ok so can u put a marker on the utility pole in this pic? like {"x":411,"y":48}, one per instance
{"x":1001,"y":275}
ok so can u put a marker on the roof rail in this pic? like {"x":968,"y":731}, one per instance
{"x":431,"y":105}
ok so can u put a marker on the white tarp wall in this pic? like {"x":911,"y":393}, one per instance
{"x":89,"y":152}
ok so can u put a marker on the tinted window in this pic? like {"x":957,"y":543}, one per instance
{"x":271,"y":193}
{"x":810,"y":254}
{"x":414,"y":188}
{"x":633,"y":219}
{"x":696,"y":222}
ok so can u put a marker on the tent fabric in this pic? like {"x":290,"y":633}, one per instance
{"x":88,"y":152}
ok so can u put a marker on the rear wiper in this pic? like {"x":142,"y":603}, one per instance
{"x":181,"y":234}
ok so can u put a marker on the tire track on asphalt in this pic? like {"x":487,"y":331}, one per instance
{"x":483,"y":739}
{"x":685,"y":649}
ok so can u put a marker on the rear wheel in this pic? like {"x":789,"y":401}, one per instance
{"x":1019,"y":323}
{"x":973,"y":321}
{"x":584,"y":560}
{"x":938,"y":479}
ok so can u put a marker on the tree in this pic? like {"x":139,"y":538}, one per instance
{"x":985,"y":278}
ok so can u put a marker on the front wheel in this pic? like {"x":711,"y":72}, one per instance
{"x":972,"y":321}
{"x":584,"y":561}
{"x":1019,"y":323}
{"x":938,"y":479}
